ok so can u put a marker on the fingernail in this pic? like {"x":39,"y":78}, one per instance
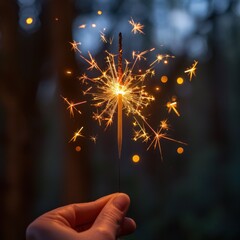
{"x":121,"y":202}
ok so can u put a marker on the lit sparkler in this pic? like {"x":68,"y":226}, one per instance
{"x":121,"y":88}
{"x":117,"y":89}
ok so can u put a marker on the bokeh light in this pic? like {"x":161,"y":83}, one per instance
{"x":29,"y":11}
{"x":135,"y":158}
{"x":78,"y":148}
{"x":180,"y":80}
{"x":29,"y":20}
{"x":164,"y":79}
{"x":180,"y":150}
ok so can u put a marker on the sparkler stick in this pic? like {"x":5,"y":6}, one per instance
{"x":119,"y":102}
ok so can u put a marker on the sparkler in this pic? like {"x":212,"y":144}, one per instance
{"x":121,"y":88}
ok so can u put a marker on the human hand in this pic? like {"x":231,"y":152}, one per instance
{"x":103,"y":219}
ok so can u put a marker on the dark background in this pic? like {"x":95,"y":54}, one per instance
{"x":191,"y":196}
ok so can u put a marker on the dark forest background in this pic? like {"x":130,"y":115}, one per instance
{"x":195,"y":195}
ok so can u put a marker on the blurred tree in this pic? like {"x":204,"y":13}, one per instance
{"x":18,"y":105}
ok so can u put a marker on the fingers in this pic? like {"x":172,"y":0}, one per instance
{"x":79,"y":214}
{"x":111,"y":221}
{"x":66,"y":220}
{"x":128,"y":226}
{"x":103,"y":218}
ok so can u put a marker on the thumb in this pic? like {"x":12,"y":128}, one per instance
{"x":109,"y":221}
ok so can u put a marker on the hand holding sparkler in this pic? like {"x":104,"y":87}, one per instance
{"x":103,"y":219}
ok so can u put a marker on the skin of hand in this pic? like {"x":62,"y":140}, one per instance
{"x":103,"y":219}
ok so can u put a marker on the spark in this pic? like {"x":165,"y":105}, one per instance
{"x":82,"y":26}
{"x":137,"y":27}
{"x":162,"y":134}
{"x":76,"y":135}
{"x":93,"y":139}
{"x":75,"y":46}
{"x":68,"y":72}
{"x":72,"y":106}
{"x":164,"y":124}
{"x":162,"y":57}
{"x":140,"y":55}
{"x":103,"y":37}
{"x":173,"y":106}
{"x":192,"y":70}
